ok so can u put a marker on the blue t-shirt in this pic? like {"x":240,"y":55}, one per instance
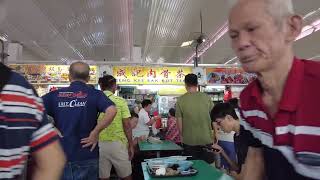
{"x":75,"y":110}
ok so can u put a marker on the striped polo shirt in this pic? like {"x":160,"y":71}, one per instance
{"x":24,"y":127}
{"x":291,"y":139}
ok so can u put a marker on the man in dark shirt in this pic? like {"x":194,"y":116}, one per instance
{"x":225,"y":116}
{"x":75,"y":110}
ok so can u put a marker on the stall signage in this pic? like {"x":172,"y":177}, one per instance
{"x":49,"y":74}
{"x":136,"y":75}
{"x":228,"y":76}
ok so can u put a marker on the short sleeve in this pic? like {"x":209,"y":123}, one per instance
{"x":210,"y":104}
{"x":178,"y":110}
{"x":103,"y":102}
{"x":125,"y":112}
{"x":246,"y":134}
{"x":47,"y":102}
{"x":145,"y":118}
{"x":45,"y":133}
{"x":251,"y":140}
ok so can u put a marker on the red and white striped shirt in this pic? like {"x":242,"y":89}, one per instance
{"x":24,"y":127}
{"x":295,"y":129}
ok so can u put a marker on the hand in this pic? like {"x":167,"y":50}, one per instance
{"x":142,"y":138}
{"x":130,"y":151}
{"x":59,"y":133}
{"x":219,"y":148}
{"x":92,"y":140}
{"x":235,"y":175}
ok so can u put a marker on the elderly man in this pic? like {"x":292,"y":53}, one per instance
{"x":75,"y":110}
{"x":280,"y":108}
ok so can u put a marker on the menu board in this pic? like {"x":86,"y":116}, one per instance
{"x":49,"y":74}
{"x":138,"y":75}
{"x":228,"y":76}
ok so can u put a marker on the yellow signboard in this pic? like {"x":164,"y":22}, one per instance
{"x":138,"y":75}
{"x":52,"y":74}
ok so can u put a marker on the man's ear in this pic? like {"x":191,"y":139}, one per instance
{"x":294,"y":27}
{"x":88,"y":78}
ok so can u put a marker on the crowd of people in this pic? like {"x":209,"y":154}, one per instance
{"x":276,"y":127}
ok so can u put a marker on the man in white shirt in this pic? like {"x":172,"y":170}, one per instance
{"x":142,"y":128}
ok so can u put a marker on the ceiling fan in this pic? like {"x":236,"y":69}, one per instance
{"x":197,"y":38}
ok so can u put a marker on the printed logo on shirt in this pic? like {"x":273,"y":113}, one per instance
{"x":71,"y":104}
{"x":78,"y":94}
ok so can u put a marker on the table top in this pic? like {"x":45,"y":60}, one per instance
{"x":205,"y":172}
{"x":165,"y":146}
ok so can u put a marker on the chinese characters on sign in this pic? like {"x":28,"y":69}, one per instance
{"x":165,"y":73}
{"x":150,"y":75}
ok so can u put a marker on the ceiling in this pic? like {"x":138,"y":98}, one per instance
{"x":106,"y":30}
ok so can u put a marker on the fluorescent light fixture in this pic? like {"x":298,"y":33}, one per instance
{"x":187,"y":43}
{"x":309,"y":29}
{"x":215,"y":87}
{"x":3,"y":38}
{"x":234,"y":58}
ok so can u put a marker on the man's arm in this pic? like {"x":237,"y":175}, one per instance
{"x":179,"y":124}
{"x":233,"y":165}
{"x":253,"y":169}
{"x":49,"y":162}
{"x":179,"y":120}
{"x":92,"y":140}
{"x":128,"y":132}
{"x":151,"y":121}
{"x":215,"y":135}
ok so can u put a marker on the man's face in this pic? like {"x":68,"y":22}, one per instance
{"x":225,"y":124}
{"x":148,"y":108}
{"x":256,"y":38}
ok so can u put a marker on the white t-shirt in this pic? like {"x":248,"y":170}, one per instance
{"x":142,"y":128}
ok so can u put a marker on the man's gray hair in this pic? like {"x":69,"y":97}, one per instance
{"x":79,"y":70}
{"x":278,"y":9}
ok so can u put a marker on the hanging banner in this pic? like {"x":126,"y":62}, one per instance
{"x":49,"y":74}
{"x":138,"y":75}
{"x":228,"y":76}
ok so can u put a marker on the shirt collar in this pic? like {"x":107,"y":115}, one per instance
{"x":292,"y":90}
{"x":108,"y":93}
{"x":78,"y":83}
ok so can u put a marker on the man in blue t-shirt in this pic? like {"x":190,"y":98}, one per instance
{"x":75,"y":110}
